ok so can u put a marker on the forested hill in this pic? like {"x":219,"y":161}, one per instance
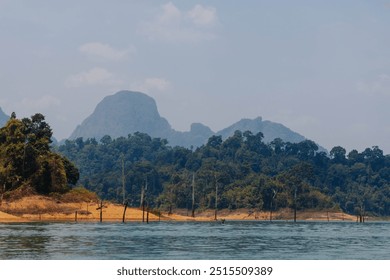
{"x":243,"y":171}
{"x":27,"y":162}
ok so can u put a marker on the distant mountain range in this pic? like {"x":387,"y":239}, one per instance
{"x":127,"y":112}
{"x":3,"y":118}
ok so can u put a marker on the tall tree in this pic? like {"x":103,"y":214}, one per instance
{"x":26,"y":158}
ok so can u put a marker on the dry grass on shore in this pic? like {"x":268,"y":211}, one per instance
{"x":40,"y":208}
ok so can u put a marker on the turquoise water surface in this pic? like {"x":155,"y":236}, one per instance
{"x":193,"y":240}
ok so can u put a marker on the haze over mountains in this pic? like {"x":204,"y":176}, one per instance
{"x":121,"y":114}
{"x":127,"y":112}
{"x":3,"y":118}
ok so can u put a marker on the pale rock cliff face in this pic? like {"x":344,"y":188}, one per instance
{"x":121,"y":114}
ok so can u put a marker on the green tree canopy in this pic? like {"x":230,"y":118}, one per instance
{"x":26,"y":158}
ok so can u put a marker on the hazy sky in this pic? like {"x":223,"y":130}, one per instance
{"x":322,"y":68}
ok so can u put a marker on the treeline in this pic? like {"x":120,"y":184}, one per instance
{"x":240,"y":172}
{"x":27,"y":162}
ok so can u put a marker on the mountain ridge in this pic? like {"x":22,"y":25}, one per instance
{"x":126,"y":112}
{"x":271,"y":130}
{"x":136,"y":105}
{"x":3,"y":117}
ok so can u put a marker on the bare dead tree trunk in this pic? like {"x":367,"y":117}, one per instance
{"x":295,"y":205}
{"x":2,"y":194}
{"x":147,"y":214}
{"x":123,"y":180}
{"x":143,"y":211}
{"x":101,"y":211}
{"x":193,"y":196}
{"x":216,"y":200}
{"x":124,"y":212}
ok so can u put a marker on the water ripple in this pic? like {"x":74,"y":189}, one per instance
{"x":176,"y":240}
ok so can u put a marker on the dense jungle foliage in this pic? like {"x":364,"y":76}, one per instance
{"x":27,"y":161}
{"x":241,"y":172}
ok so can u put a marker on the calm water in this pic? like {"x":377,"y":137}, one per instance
{"x":232,"y":240}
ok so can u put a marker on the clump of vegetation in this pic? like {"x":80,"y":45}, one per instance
{"x":20,"y":192}
{"x":79,"y":194}
{"x":27,"y":161}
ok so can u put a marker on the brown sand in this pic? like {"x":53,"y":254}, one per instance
{"x":39,"y":208}
{"x":4,"y":217}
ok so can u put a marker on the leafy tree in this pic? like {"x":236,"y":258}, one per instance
{"x":337,"y":154}
{"x":27,"y":160}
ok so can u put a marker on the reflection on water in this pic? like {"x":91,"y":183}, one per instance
{"x":232,"y":240}
{"x":25,"y":241}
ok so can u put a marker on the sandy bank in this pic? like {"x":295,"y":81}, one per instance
{"x":39,"y":208}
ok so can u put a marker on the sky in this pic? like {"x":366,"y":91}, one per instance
{"x":321,"y":68}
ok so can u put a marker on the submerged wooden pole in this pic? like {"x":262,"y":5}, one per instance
{"x":123,"y":179}
{"x":193,"y":196}
{"x":75,"y":216}
{"x":144,"y":199}
{"x":216,"y":201}
{"x":295,"y":205}
{"x":147,"y":214}
{"x":272,"y":204}
{"x":101,"y":211}
{"x":124,"y":212}
{"x":143,"y":211}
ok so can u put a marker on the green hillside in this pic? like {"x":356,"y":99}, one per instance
{"x":241,"y":172}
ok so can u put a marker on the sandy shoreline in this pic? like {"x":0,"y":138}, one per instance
{"x":38,"y":208}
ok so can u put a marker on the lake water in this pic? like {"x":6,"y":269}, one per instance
{"x":176,"y":240}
